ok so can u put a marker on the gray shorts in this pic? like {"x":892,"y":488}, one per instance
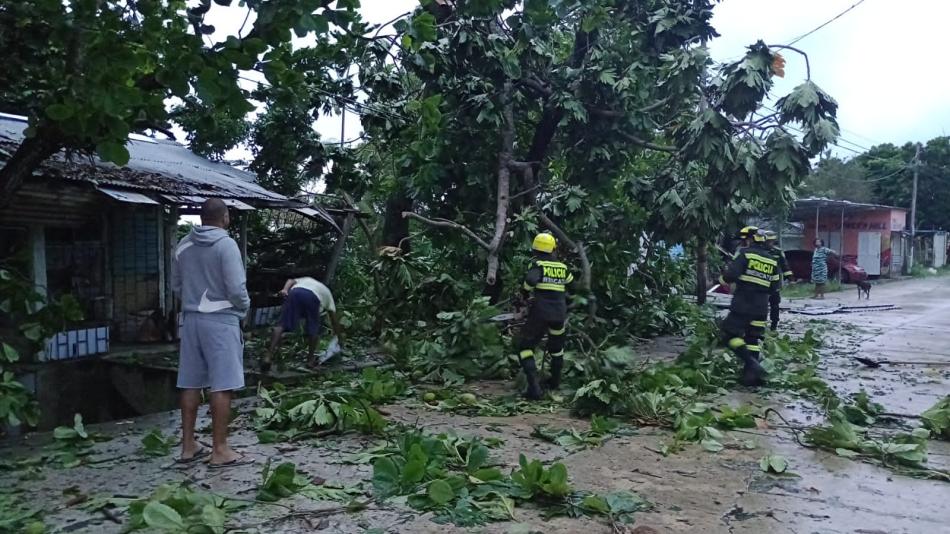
{"x":212,"y":352}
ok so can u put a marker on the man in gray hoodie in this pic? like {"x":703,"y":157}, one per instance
{"x":208,"y":277}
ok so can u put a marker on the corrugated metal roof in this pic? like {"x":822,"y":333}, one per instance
{"x":162,"y":166}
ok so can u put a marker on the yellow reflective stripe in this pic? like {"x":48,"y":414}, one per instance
{"x":788,"y":273}
{"x":550,"y":287}
{"x":527,"y":353}
{"x":758,"y":323}
{"x":750,"y":279}
{"x":736,"y":342}
{"x":753,"y":348}
{"x":551,"y":264}
{"x":527,"y":286}
{"x":557,"y":331}
{"x":569,"y":279}
{"x":763,"y":259}
{"x":557,"y":354}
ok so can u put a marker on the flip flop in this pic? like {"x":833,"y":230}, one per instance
{"x":240,"y":460}
{"x":199,"y":454}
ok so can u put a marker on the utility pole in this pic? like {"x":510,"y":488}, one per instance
{"x":913,"y":211}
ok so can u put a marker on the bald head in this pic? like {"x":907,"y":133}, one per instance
{"x":214,"y":212}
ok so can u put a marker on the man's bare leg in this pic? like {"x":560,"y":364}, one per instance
{"x":312,"y":347}
{"x":189,"y":400}
{"x":220,"y":419}
{"x":274,"y":344}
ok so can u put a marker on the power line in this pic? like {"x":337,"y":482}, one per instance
{"x":838,"y":16}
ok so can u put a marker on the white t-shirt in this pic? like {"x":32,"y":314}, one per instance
{"x":321,"y":291}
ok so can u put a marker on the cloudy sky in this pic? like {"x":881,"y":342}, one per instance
{"x":883,"y":61}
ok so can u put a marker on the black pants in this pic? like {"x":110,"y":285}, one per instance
{"x":743,"y":334}
{"x":536,"y":326}
{"x":774,"y":300}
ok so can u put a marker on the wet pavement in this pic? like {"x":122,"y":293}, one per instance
{"x":693,"y":491}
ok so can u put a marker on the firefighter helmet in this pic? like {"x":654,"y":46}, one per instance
{"x":544,"y":243}
{"x":748,"y":231}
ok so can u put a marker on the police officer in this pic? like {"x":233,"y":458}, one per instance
{"x":544,"y":289}
{"x":756,"y":274}
{"x":775,"y":298}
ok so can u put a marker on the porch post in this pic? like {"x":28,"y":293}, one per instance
{"x":841,"y":252}
{"x":38,"y":258}
{"x":243,"y":242}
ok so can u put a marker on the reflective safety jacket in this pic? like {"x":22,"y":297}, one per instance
{"x":546,"y":281}
{"x":756,"y":273}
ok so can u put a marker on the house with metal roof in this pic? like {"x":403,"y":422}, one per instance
{"x":105,"y":233}
{"x":870,"y":235}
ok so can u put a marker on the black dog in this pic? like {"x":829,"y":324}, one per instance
{"x":864,"y":287}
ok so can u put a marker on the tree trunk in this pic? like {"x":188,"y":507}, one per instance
{"x":395,"y":226}
{"x":32,"y":152}
{"x":702,"y":266}
{"x":504,"y":185}
{"x":338,"y":249}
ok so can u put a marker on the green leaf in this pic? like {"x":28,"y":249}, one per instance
{"x":155,"y":444}
{"x":162,"y":516}
{"x":267,"y":436}
{"x":322,"y":416}
{"x":423,"y":27}
{"x":773,"y":463}
{"x":847,"y":453}
{"x":596,"y":504}
{"x":213,"y":517}
{"x":711,"y":445}
{"x":64,"y":433}
{"x":79,"y":427}
{"x":440,"y":492}
{"x":385,"y":476}
{"x":113,"y":152}
{"x":59,"y":112}
{"x":9,"y":353}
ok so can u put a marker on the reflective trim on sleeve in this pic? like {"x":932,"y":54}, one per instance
{"x":753,"y":348}
{"x":751,"y":280}
{"x":760,"y":324}
{"x":527,"y":287}
{"x":557,"y":331}
{"x":736,"y":342}
{"x":557,"y":354}
{"x":527,"y":353}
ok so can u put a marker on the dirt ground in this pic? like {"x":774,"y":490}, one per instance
{"x":693,"y":491}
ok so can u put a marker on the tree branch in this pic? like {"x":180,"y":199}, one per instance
{"x":443,"y":223}
{"x":793,"y":49}
{"x":646,"y":144}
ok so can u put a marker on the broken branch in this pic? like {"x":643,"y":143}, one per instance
{"x":444,"y":223}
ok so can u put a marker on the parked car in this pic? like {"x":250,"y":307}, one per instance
{"x":800,"y":263}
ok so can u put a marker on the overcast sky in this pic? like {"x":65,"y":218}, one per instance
{"x":883,"y":61}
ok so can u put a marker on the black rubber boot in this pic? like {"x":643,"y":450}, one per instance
{"x":753,"y":375}
{"x":774,"y":326}
{"x":557,"y":365}
{"x":531,"y":374}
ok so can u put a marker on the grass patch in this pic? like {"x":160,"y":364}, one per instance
{"x":921,"y":271}
{"x":805,"y":290}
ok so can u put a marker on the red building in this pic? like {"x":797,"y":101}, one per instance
{"x":871,"y":235}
